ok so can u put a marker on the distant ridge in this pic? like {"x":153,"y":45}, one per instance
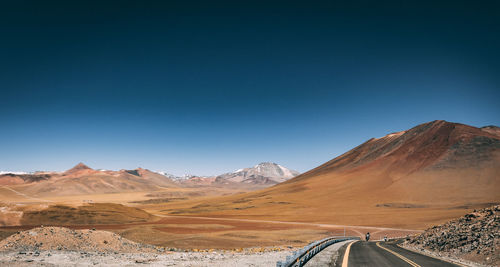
{"x":81,"y":179}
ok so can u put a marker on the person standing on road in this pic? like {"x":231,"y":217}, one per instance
{"x":367,"y":236}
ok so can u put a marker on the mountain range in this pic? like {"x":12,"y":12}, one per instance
{"x":82,"y":179}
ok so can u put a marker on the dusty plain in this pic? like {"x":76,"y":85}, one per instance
{"x":192,"y":232}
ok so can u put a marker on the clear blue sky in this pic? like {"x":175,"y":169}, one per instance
{"x":188,"y":87}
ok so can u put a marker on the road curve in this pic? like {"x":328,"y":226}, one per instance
{"x":387,"y":254}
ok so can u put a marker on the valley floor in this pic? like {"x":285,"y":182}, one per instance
{"x":186,"y":232}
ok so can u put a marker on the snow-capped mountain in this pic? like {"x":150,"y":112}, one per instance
{"x":263,"y":173}
{"x":166,"y":174}
{"x":175,"y":177}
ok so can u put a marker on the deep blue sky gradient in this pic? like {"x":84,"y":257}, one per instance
{"x":209,"y":87}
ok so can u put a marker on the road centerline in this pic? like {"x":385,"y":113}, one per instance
{"x":398,"y":255}
{"x":345,"y":261}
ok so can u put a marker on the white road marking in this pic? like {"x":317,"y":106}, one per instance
{"x":399,"y":256}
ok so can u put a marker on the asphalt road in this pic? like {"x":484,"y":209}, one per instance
{"x":375,"y":254}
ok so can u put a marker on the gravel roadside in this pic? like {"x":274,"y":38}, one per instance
{"x":59,"y":246}
{"x":72,"y":258}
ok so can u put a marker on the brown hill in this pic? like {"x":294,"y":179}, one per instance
{"x":414,"y":178}
{"x":405,"y":152}
{"x":81,"y":179}
{"x":79,"y":169}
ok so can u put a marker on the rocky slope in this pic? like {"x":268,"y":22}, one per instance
{"x":263,"y":173}
{"x":474,"y":237}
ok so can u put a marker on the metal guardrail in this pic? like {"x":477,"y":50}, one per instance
{"x":303,"y":255}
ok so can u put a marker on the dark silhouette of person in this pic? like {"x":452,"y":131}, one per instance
{"x":367,"y":236}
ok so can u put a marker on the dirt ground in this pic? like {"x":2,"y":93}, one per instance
{"x":226,"y":230}
{"x":223,"y":233}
